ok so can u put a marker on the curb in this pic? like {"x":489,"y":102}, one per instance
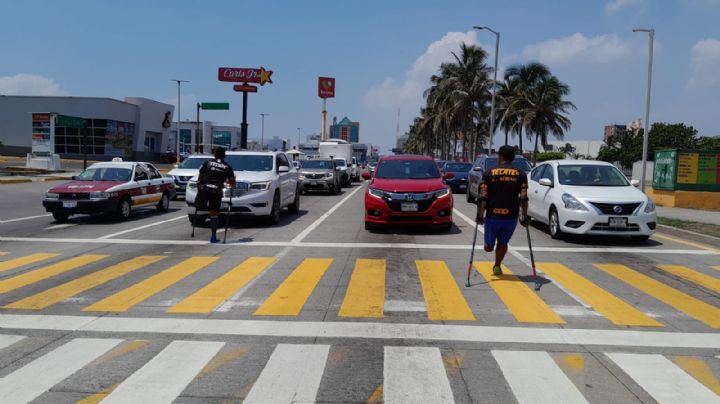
{"x":45,"y":179}
{"x":689,"y":235}
{"x":14,"y":180}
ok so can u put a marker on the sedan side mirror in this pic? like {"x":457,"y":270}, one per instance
{"x":635,"y":183}
{"x":546,"y":182}
{"x":283,"y":169}
{"x":448,"y":175}
{"x":366,"y":175}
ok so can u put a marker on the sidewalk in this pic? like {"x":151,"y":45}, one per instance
{"x":692,"y":215}
{"x":19,"y":179}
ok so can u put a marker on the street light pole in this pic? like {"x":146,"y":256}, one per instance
{"x":646,"y":131}
{"x":177,"y":135}
{"x":492,"y":103}
{"x":262,"y":131}
{"x":298,"y":145}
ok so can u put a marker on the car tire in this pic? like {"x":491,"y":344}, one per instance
{"x":274,"y":217}
{"x":369,"y":226}
{"x":124,"y":209}
{"x":60,"y":217}
{"x":164,"y":203}
{"x":554,"y":225}
{"x":469,"y":197}
{"x":640,"y":239}
{"x":295,"y":207}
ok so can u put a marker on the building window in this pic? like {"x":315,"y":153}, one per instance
{"x":221,"y":138}
{"x":102,"y":137}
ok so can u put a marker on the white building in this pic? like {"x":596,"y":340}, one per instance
{"x":203,"y":137}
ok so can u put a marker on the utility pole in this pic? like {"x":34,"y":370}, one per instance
{"x":298,"y":144}
{"x":262,"y":131}
{"x":177,"y":136}
{"x":646,"y":134}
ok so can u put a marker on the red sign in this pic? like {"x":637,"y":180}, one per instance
{"x":245,"y":88}
{"x":40,"y":117}
{"x":245,"y":75}
{"x":326,"y":87}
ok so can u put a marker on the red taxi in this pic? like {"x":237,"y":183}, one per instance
{"x":115,"y":187}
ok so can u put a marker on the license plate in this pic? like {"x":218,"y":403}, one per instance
{"x":618,"y":222}
{"x":463,"y":186}
{"x":313,"y":182}
{"x":409,"y":207}
{"x":69,"y":204}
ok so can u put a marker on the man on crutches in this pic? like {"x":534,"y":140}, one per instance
{"x":211,"y":181}
{"x":503,"y":200}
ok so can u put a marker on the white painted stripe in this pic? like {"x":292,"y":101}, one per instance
{"x":38,"y":376}
{"x":292,"y":375}
{"x":141,"y":227}
{"x":19,"y":219}
{"x":362,"y":330}
{"x":404,"y":305}
{"x":163,"y":378}
{"x":535,"y":378}
{"x":662,"y":379}
{"x":415,"y":375}
{"x":407,"y":246}
{"x":61,"y":226}
{"x":469,"y":221}
{"x":322,"y":218}
{"x":7,"y":340}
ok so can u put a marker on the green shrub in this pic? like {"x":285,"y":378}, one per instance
{"x":545,"y":156}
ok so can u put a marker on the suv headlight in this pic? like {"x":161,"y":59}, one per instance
{"x":329,"y":175}
{"x":440,"y":193}
{"x":572,"y":203}
{"x":301,"y":177}
{"x":261,"y":186}
{"x":52,"y":195}
{"x":192,"y":185}
{"x":649,"y":206}
{"x":376,"y":193}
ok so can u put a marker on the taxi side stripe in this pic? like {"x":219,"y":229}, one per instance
{"x":290,"y":297}
{"x":365,"y":296}
{"x":26,"y":260}
{"x":49,"y":271}
{"x":443,"y":297}
{"x":689,"y":305}
{"x":699,"y":278}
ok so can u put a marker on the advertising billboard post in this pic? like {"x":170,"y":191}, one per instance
{"x":326,"y":89}
{"x":245,"y":75}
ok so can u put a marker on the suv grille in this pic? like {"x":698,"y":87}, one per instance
{"x":609,"y":208}
{"x":74,"y":196}
{"x":315,"y":176}
{"x":423,"y":199}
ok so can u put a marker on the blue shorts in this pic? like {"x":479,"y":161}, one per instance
{"x":500,"y":230}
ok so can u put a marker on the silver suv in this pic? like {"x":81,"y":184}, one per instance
{"x":320,"y":175}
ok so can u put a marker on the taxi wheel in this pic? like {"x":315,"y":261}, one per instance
{"x":124,"y":209}
{"x":60,"y":217}
{"x":164,"y":203}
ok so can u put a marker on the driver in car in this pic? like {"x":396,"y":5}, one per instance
{"x":213,"y":174}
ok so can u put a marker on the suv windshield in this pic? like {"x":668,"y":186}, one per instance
{"x":520,"y":163}
{"x":322,"y":164}
{"x":194,"y":162}
{"x":457,"y":167}
{"x":407,"y":169}
{"x":591,"y":176}
{"x":249,"y":162}
{"x":105,"y":174}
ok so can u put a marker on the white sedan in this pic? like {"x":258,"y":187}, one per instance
{"x":589,"y":197}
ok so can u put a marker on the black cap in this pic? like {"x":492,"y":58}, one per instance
{"x":507,"y":153}
{"x":219,"y":152}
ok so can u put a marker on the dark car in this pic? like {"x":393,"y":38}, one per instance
{"x":480,"y":167}
{"x":460,"y":171}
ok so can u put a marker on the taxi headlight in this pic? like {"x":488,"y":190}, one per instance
{"x":52,"y":195}
{"x":261,"y":186}
{"x":572,"y":203}
{"x":100,"y":195}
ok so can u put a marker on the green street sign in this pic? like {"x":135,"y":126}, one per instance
{"x":70,"y":121}
{"x":215,"y":105}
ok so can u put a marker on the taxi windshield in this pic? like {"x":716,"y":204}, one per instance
{"x":105,"y":174}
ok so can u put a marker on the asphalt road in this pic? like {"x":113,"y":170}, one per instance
{"x":317,"y":309}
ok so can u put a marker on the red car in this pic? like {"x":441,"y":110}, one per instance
{"x":408,"y":190}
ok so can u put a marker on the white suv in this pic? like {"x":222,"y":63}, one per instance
{"x":266,"y":183}
{"x":186,"y":170}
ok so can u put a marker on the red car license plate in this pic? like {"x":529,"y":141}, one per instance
{"x":409,"y":207}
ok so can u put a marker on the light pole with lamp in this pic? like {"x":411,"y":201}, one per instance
{"x":298,"y":145}
{"x":646,"y":134}
{"x":177,"y":135}
{"x":492,"y":103}
{"x":262,"y":131}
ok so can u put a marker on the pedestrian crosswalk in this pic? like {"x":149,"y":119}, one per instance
{"x":305,"y":373}
{"x":205,"y":284}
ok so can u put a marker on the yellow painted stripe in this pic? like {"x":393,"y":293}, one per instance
{"x":605,"y":303}
{"x":290,"y":297}
{"x":700,"y":278}
{"x":26,"y":260}
{"x":699,"y":369}
{"x":443,"y":297}
{"x":689,"y":305}
{"x":717,"y":267}
{"x":79,"y":285}
{"x":49,"y":271}
{"x":523,"y":303}
{"x":150,"y":199}
{"x":127,"y":298}
{"x":689,"y":243}
{"x":216,"y":292}
{"x":99,"y":396}
{"x":365,"y":296}
{"x":3,"y":253}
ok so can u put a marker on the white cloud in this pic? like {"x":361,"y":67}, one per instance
{"x":393,"y":94}
{"x":29,"y":84}
{"x":705,"y":64}
{"x":615,"y":5}
{"x":578,"y":48}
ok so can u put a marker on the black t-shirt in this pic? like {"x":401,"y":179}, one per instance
{"x":214,"y":173}
{"x":503,"y":184}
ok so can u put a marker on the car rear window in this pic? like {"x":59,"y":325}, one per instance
{"x":194,"y":162}
{"x":521,"y":164}
{"x":457,"y":167}
{"x":407,"y":169}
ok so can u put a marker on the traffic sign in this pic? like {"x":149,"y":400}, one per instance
{"x":326,"y":87}
{"x":215,"y":105}
{"x":245,"y":75}
{"x":245,"y":88}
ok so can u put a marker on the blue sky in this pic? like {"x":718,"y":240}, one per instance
{"x":381,"y":52}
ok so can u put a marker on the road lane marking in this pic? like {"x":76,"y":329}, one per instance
{"x":322,"y":218}
{"x":218,"y":291}
{"x":7,"y":340}
{"x":689,"y":305}
{"x":688,"y":243}
{"x":471,"y":222}
{"x":405,"y":305}
{"x":58,"y":293}
{"x":524,"y":304}
{"x":443,"y":297}
{"x":360,"y":330}
{"x":38,"y":376}
{"x":61,"y":226}
{"x":662,"y":379}
{"x":26,"y":260}
{"x":699,"y":278}
{"x":365,"y":296}
{"x":19,"y":219}
{"x":140,"y":227}
{"x":291,"y":375}
{"x":604,"y":302}
{"x":717,"y":267}
{"x":535,"y":378}
{"x":133,"y":295}
{"x":166,"y":375}
{"x":290,"y":297}
{"x":697,"y":367}
{"x":27,"y":278}
{"x":415,"y":375}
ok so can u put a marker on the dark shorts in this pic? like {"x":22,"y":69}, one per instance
{"x":500,"y":230}
{"x":208,"y":199}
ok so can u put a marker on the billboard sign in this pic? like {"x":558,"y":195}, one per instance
{"x":245,"y":75}
{"x":326,"y":87}
{"x":42,"y":133}
{"x":245,"y":88}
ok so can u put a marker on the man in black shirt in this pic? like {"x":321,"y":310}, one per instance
{"x":503,"y":193}
{"x":211,"y":181}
